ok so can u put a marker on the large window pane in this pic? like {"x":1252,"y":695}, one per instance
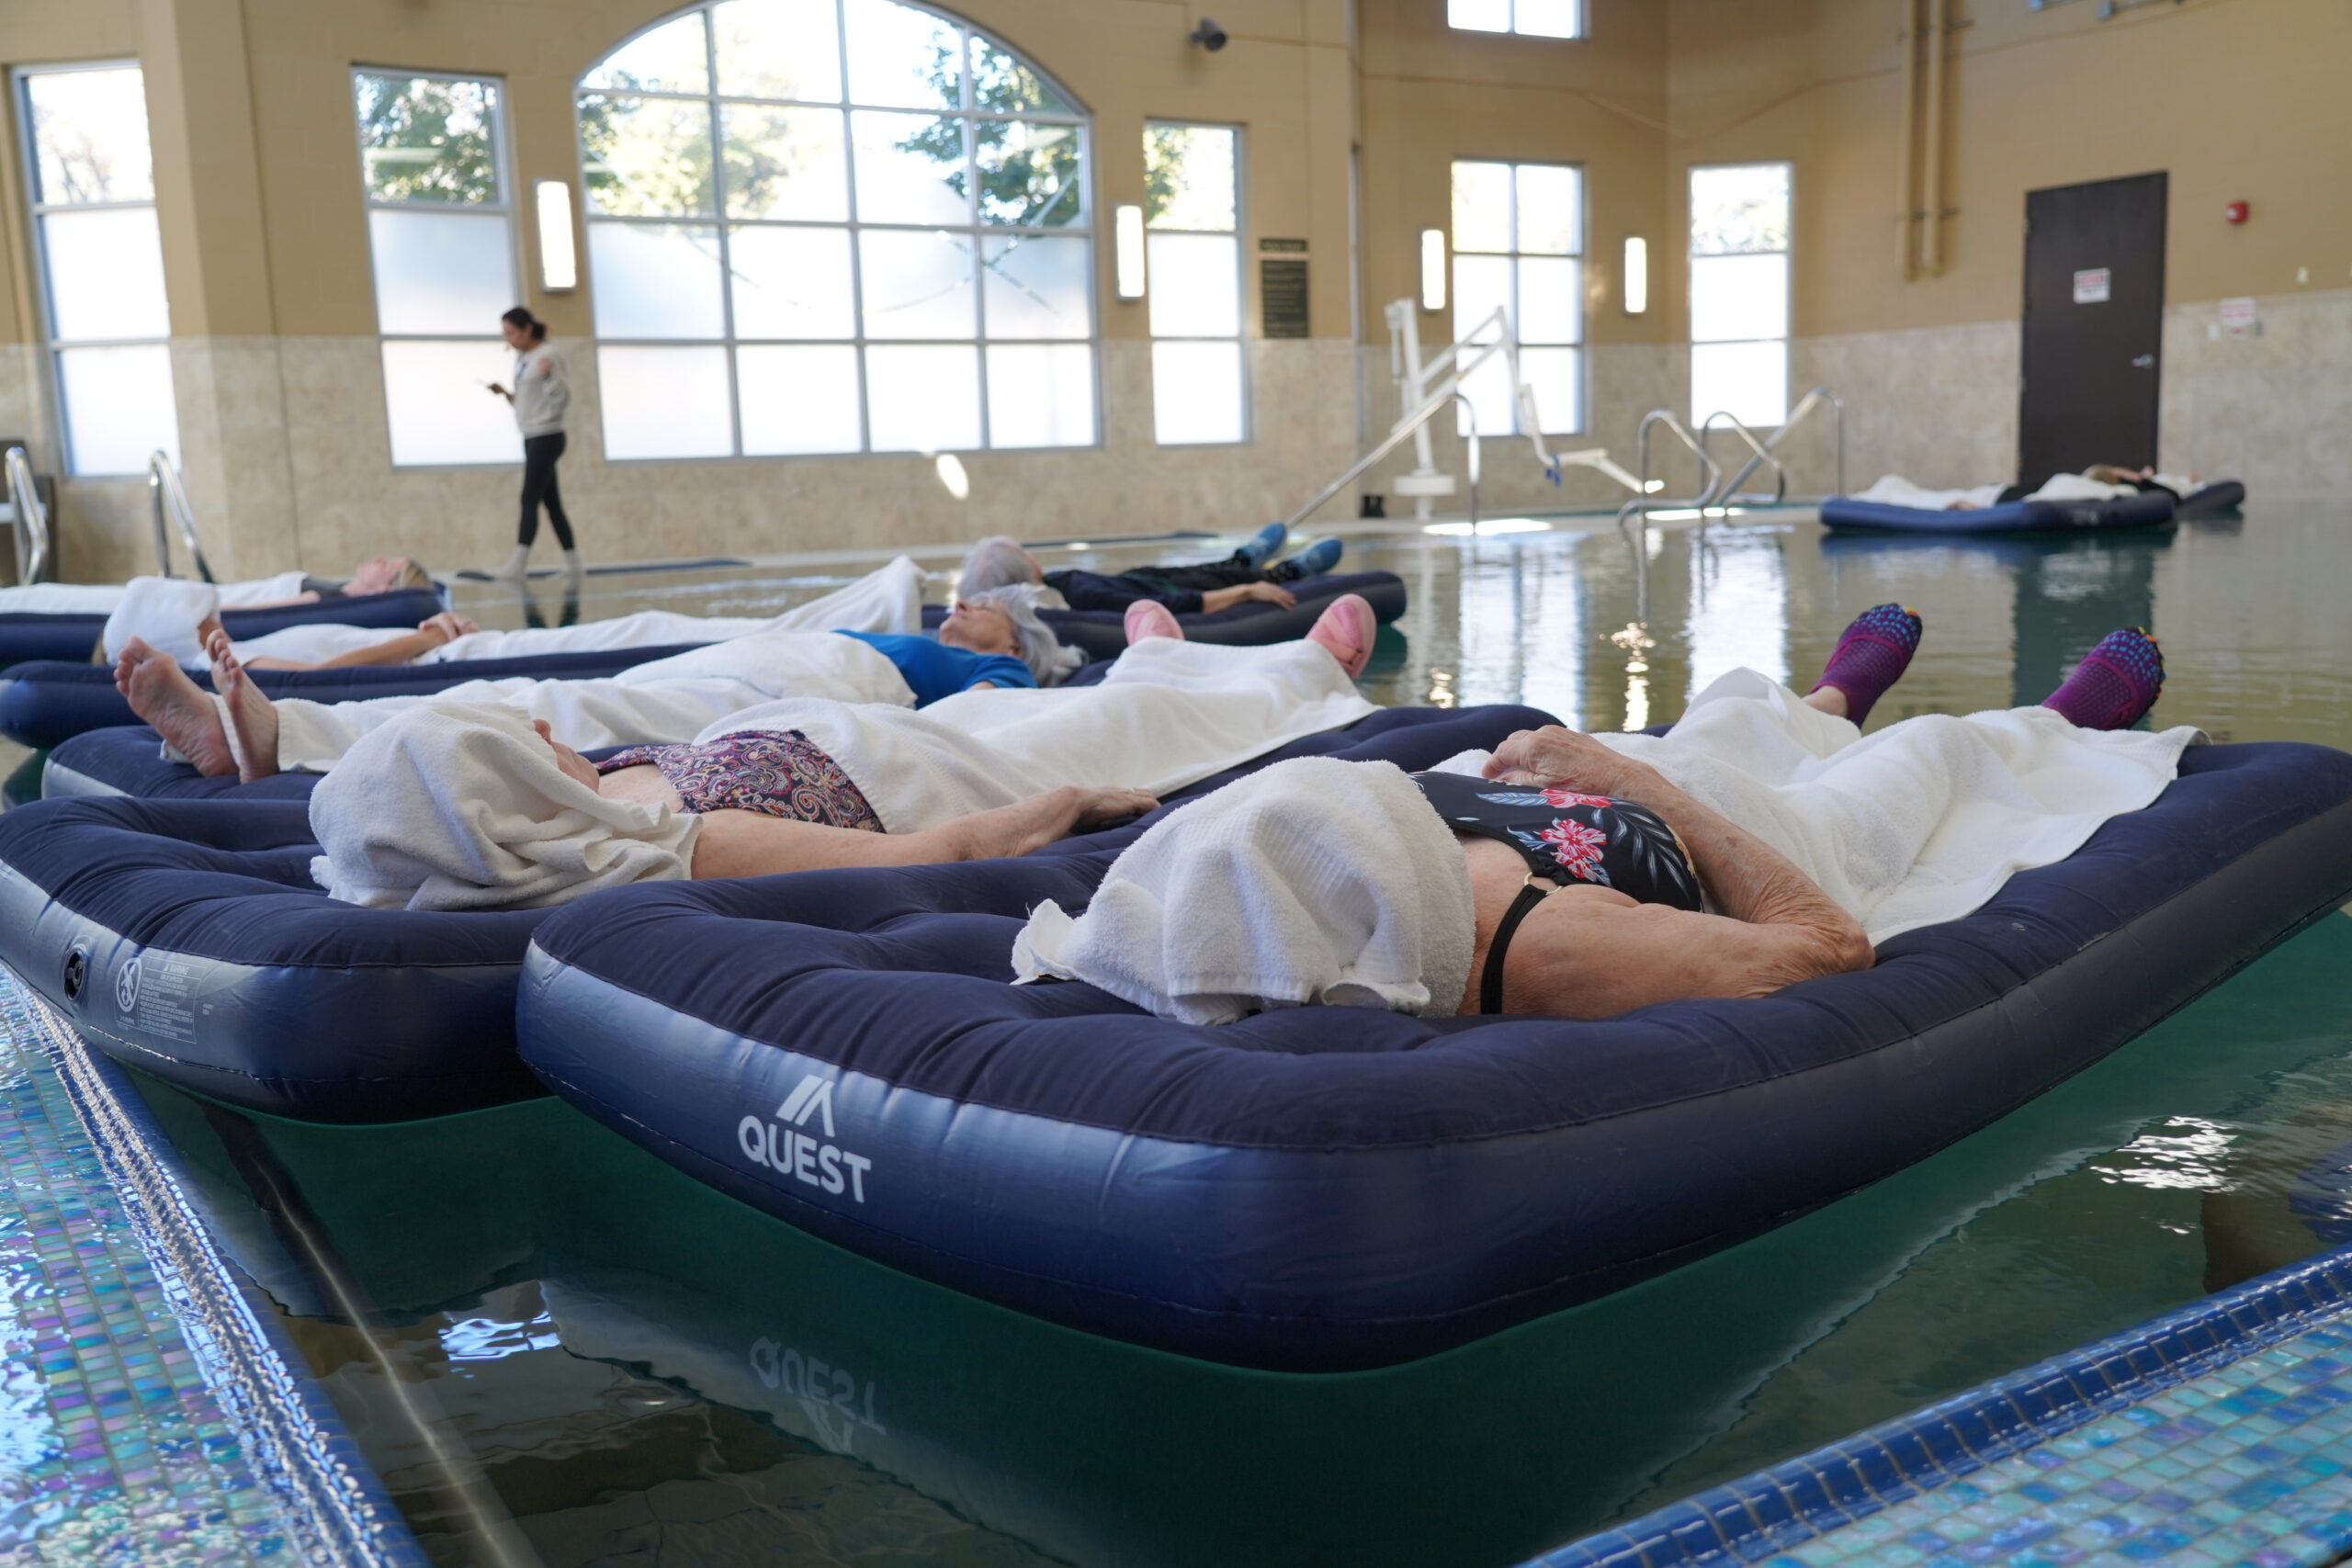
{"x":671,"y":58}
{"x":89,"y":135}
{"x":1196,"y":393}
{"x":1741,"y":208}
{"x":441,"y":272}
{"x":1738,"y":297}
{"x":917,"y":284}
{"x":656,"y":281}
{"x":1191,"y":179}
{"x":797,"y":398}
{"x":911,"y":169}
{"x":1482,"y":207}
{"x":1481,"y":287}
{"x":1041,"y":395}
{"x":902,"y":58}
{"x":665,"y":402}
{"x":1748,"y":380}
{"x":1195,"y":284}
{"x":786,"y":163}
{"x":1491,"y":398}
{"x":427,"y":139}
{"x":1551,"y":210}
{"x":1029,"y":172}
{"x":1550,"y":299}
{"x":922,"y":398}
{"x":106,"y":274}
{"x":792,"y":283}
{"x":1548,"y":18}
{"x":118,"y":407}
{"x":437,"y":405}
{"x":1555,"y":375}
{"x":1034,"y":287}
{"x":778,"y":49}
{"x":1004,"y":84}
{"x":646,"y":157}
{"x":1479,"y":15}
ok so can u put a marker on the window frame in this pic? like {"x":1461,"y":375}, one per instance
{"x":1583,"y":25}
{"x":1788,"y":285}
{"x":1514,"y":256}
{"x":507,"y":207}
{"x":35,"y":210}
{"x":1240,"y":283}
{"x":967,"y":115}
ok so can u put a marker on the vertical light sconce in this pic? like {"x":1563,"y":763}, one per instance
{"x":1126,"y":243}
{"x":1637,"y":275}
{"x":1433,"y":269}
{"x":558,"y":261}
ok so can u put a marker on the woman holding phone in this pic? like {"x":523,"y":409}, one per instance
{"x":541,"y":395}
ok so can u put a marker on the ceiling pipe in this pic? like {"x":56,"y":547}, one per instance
{"x":1933,"y":219}
{"x":1907,"y":189}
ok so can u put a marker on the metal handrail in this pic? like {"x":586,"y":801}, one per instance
{"x":32,"y":518}
{"x":1645,"y":503}
{"x":1474,"y":454}
{"x":1762,"y":449}
{"x":1422,"y":414}
{"x":1806,"y":405}
{"x":167,"y":494}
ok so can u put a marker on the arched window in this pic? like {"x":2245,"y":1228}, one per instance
{"x":835,"y":226}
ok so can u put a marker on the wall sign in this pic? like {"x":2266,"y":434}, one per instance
{"x":2239,"y":318}
{"x":2091,"y":286}
{"x":1294,"y":247}
{"x":1282,"y":296}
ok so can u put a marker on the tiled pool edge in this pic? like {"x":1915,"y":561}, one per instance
{"x":1804,"y":1499}
{"x":335,"y":1513}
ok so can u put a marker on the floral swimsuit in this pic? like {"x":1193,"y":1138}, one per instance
{"x":778,"y":773}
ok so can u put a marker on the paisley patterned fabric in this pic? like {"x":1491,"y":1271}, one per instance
{"x":782,"y":773}
{"x":1567,"y":837}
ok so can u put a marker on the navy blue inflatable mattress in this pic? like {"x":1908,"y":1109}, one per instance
{"x":187,"y":938}
{"x":1316,"y":1188}
{"x":2221,"y":495}
{"x":46,"y":703}
{"x":2139,"y":510}
{"x":1102,"y":634}
{"x":24,"y":636}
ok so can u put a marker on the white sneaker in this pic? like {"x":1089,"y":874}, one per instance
{"x":572,"y":568}
{"x":517,"y":565}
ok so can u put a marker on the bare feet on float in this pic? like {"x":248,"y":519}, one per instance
{"x":1148,"y":619}
{"x":1346,"y":629}
{"x":161,"y":694}
{"x":249,"y":712}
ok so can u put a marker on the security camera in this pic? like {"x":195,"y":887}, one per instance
{"x":1208,"y":34}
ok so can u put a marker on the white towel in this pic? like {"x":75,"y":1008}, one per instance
{"x":1894,"y":490}
{"x":1313,"y":882}
{"x":461,"y":805}
{"x":100,"y":598}
{"x":164,"y":611}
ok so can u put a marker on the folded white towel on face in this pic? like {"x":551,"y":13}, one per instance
{"x":1314,"y":881}
{"x":1894,"y":490}
{"x":462,"y":806}
{"x":163,"y":612}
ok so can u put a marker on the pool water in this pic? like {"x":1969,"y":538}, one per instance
{"x":556,"y":1351}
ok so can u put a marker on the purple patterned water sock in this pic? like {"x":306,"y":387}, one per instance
{"x":1872,"y":656}
{"x":2116,"y":683}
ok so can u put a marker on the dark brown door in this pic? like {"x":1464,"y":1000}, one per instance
{"x":2094,"y":324}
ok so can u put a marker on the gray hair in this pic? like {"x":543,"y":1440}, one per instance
{"x":997,"y":562}
{"x":1048,"y":659}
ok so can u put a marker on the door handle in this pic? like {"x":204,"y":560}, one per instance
{"x":2143,"y":362}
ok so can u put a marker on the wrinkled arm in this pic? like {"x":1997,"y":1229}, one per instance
{"x":1590,"y":955}
{"x":751,"y":843}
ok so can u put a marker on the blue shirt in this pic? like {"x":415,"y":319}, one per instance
{"x":936,"y":670}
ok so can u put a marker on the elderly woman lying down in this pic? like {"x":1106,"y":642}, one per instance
{"x":457,"y":806}
{"x":1762,"y":842}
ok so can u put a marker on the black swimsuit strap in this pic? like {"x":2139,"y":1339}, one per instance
{"x":1490,"y":982}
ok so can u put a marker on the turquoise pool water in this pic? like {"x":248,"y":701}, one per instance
{"x":556,"y":1350}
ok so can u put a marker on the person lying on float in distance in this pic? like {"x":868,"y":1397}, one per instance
{"x":377,"y":575}
{"x":1243,"y":577}
{"x":2101,"y":482}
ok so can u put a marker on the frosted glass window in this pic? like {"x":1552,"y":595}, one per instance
{"x":1550,"y":299}
{"x":1040,"y":395}
{"x":656,"y":281}
{"x":1739,"y":292}
{"x":792,"y":283}
{"x":1482,"y":207}
{"x":665,"y":402}
{"x":448,"y":273}
{"x":1519,"y":244}
{"x":1535,"y":18}
{"x":1195,"y":284}
{"x":1491,"y":398}
{"x":1556,"y":377}
{"x":100,"y":264}
{"x":1196,"y":392}
{"x":844,"y":200}
{"x":106,"y":274}
{"x":1481,"y":287}
{"x":1038,"y":287}
{"x":437,"y":409}
{"x":1550,"y":209}
{"x":798,"y":397}
{"x":922,"y":398}
{"x":118,"y":407}
{"x":1479,"y":15}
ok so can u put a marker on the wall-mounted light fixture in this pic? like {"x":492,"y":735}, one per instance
{"x":1433,"y":269}
{"x":1637,"y":275}
{"x":559,"y":262}
{"x":1127,"y":247}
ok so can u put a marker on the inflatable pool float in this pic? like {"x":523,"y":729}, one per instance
{"x":2140,"y":510}
{"x":25,"y":636}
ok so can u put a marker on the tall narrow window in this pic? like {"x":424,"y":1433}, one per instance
{"x":441,"y":232}
{"x":1537,"y":18}
{"x":835,"y":226}
{"x":1739,"y":292}
{"x":1193,"y":218}
{"x":101,"y":265}
{"x":1519,"y":248}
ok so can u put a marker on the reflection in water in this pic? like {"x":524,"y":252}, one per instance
{"x":1739,"y":606}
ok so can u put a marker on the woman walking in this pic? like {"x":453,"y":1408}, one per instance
{"x":542,"y":393}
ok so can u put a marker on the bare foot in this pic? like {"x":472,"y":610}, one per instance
{"x":161,"y":693}
{"x":1828,"y":699}
{"x":1148,"y":619}
{"x":249,"y":713}
{"x":1346,"y":630}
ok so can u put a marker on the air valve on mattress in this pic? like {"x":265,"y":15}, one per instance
{"x":1102,"y":634}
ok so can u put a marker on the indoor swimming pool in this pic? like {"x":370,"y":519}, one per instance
{"x":552,"y":1349}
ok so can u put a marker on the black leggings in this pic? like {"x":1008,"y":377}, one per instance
{"x":539,"y":453}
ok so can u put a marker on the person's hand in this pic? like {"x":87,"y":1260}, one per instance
{"x":447,"y":626}
{"x":497,"y":389}
{"x":1270,"y":593}
{"x":1564,"y":757}
{"x":1093,"y":807}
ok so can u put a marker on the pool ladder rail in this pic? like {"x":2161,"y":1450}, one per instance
{"x":167,"y":498}
{"x":29,"y":517}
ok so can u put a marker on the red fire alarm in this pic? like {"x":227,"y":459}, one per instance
{"x":2236,"y":212}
